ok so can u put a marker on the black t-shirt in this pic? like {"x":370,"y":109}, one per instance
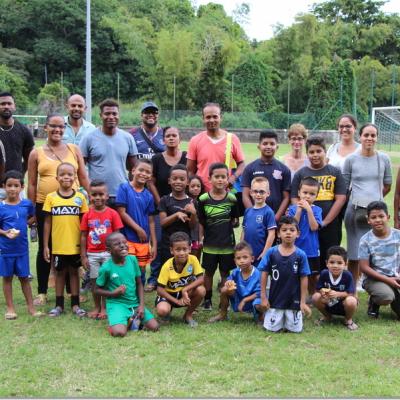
{"x":161,"y":172}
{"x":331,"y":183}
{"x":16,"y":142}
{"x":170,"y":205}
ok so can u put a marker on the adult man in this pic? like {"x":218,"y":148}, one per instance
{"x":149,"y":136}
{"x":108,"y":150}
{"x":75,"y":126}
{"x":149,"y":141}
{"x":211,"y":146}
{"x":16,"y":138}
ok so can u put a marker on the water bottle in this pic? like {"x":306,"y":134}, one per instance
{"x":34,"y":233}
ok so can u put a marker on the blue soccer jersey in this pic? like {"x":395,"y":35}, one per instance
{"x":246,"y":287}
{"x":256,"y":223}
{"x":308,"y":240}
{"x":285,"y":273}
{"x":344,"y":283}
{"x":15,"y":216}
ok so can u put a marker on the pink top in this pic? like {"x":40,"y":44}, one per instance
{"x":205,"y":152}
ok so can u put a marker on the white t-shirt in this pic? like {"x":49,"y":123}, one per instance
{"x":335,"y":158}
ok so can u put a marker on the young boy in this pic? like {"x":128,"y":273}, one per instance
{"x":259,"y":220}
{"x":331,"y":195}
{"x":96,"y":225}
{"x":278,"y":175}
{"x":379,"y":260}
{"x":177,"y":210}
{"x":309,"y":218}
{"x":64,"y":209}
{"x":135,"y":205}
{"x":218,"y":214}
{"x":180,"y":283}
{"x":120,"y":282}
{"x":15,"y":215}
{"x":335,"y":290}
{"x":242,"y":287}
{"x":288,"y":268}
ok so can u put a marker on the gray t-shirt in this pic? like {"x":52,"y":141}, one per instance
{"x":366,"y":176}
{"x":383,"y":254}
{"x":106,"y":156}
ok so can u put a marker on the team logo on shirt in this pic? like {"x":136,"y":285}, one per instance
{"x":114,"y":276}
{"x":65,"y":210}
{"x":295,"y":267}
{"x":190,"y":268}
{"x":341,"y":288}
{"x":277,"y":174}
{"x":259,"y":219}
{"x":78,"y":201}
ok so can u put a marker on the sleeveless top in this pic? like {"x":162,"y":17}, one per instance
{"x":47,"y":170}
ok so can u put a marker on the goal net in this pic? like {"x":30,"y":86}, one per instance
{"x":387,"y":119}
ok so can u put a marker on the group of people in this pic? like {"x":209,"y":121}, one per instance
{"x":114,"y":201}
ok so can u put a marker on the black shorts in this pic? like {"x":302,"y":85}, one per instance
{"x":336,"y":309}
{"x":176,"y":295}
{"x":225,"y":262}
{"x":315,"y":265}
{"x":65,"y":261}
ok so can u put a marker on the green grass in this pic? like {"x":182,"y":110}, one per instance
{"x":67,"y":357}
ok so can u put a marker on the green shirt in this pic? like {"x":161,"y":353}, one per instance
{"x":112,"y":275}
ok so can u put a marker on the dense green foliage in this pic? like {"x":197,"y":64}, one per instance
{"x":343,"y":52}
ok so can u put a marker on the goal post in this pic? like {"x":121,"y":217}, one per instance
{"x":387,"y":119}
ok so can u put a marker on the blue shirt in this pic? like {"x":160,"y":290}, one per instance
{"x":106,"y":156}
{"x":69,"y":133}
{"x":308,"y":240}
{"x":144,"y":150}
{"x":285,"y":273}
{"x":345,"y":282}
{"x":246,"y":287}
{"x":15,"y":216}
{"x":138,"y":205}
{"x":256,"y":224}
{"x":278,"y":176}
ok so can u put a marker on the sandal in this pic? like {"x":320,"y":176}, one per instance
{"x":10,"y":316}
{"x":150,"y":288}
{"x":40,"y":300}
{"x":55,"y":312}
{"x":321,"y":321}
{"x":102,"y":316}
{"x":38,"y":314}
{"x":351,"y":326}
{"x":217,"y":318}
{"x":191,"y":322}
{"x":79,"y":312}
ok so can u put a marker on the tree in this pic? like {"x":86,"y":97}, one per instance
{"x":52,"y":97}
{"x":12,"y":82}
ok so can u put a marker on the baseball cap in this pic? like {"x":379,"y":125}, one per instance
{"x":149,"y":104}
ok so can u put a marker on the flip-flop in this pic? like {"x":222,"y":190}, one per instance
{"x":191,"y":322}
{"x":10,"y":316}
{"x":217,"y":318}
{"x":55,"y":312}
{"x":93,"y":315}
{"x":352,"y":326}
{"x":101,"y":316}
{"x":321,"y":321}
{"x":79,"y":312}
{"x":38,"y":314}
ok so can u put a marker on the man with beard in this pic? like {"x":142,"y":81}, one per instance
{"x":16,"y":139}
{"x":75,"y":126}
{"x":109,"y":151}
{"x":149,"y":136}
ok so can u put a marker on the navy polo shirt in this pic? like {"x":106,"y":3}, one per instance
{"x":278,"y":175}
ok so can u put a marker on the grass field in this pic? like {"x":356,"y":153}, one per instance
{"x":68,"y":357}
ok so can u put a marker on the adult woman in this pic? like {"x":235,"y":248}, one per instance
{"x":369,"y":175}
{"x":296,"y":159}
{"x":42,"y":167}
{"x":162,"y":163}
{"x":338,"y":152}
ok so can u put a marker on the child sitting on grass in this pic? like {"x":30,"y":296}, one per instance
{"x":288,"y":268}
{"x":181,"y":281}
{"x":335,"y":290}
{"x":242,"y":287}
{"x":120,"y":282}
{"x":96,"y":225}
{"x":15,"y":214}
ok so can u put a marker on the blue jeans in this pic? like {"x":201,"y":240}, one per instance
{"x":155,"y":266}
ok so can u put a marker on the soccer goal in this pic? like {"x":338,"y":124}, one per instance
{"x":387,"y":119}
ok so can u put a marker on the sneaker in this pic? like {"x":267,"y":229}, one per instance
{"x":207,"y":305}
{"x":373,"y":309}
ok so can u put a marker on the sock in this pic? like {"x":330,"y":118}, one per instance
{"x":60,"y":302}
{"x":208,"y":295}
{"x":74,"y":301}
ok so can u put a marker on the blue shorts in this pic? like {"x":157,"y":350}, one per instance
{"x":249,"y":307}
{"x":14,"y":265}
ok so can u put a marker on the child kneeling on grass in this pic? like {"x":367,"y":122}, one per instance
{"x":119,"y":281}
{"x":181,"y":280}
{"x":242,"y":288}
{"x":335,"y":290}
{"x":288,"y":267}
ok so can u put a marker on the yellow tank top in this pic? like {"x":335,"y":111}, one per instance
{"x":47,"y":169}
